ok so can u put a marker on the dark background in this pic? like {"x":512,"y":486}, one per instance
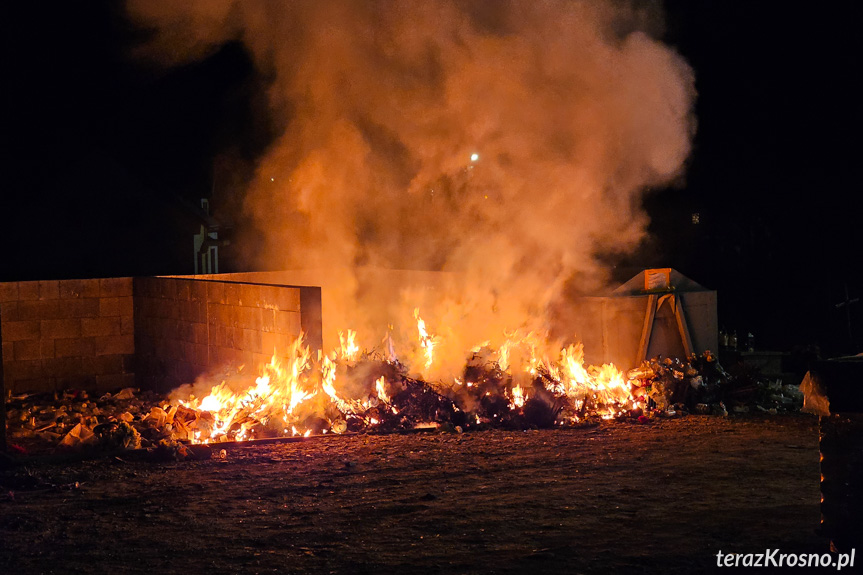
{"x":101,"y":154}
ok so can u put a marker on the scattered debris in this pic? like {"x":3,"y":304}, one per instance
{"x":702,"y":386}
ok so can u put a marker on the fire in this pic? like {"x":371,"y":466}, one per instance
{"x":427,"y":342}
{"x":518,"y":397}
{"x":277,"y":393}
{"x":379,"y":387}
{"x":349,"y":348}
{"x":349,"y":390}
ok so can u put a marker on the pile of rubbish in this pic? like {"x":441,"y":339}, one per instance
{"x":485,"y":397}
{"x":701,"y":386}
{"x":74,"y":421}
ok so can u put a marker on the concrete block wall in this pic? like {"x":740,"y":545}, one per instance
{"x":187,"y":327}
{"x":67,"y":334}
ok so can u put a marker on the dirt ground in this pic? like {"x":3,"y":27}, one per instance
{"x":621,"y":497}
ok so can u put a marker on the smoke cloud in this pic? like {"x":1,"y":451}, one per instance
{"x":507,"y":143}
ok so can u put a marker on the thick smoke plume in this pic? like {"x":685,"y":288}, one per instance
{"x":571,"y":108}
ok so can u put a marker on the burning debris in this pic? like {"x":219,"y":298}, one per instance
{"x":349,"y":391}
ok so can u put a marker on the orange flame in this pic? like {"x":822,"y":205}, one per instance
{"x":285,"y":387}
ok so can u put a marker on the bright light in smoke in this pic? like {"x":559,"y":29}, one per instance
{"x":474,"y":157}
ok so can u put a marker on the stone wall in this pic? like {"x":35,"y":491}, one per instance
{"x":187,"y":327}
{"x":67,"y":334}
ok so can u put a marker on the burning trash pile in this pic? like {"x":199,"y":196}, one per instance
{"x":513,"y":387}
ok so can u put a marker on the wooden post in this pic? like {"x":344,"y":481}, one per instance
{"x":649,"y":315}
{"x":682,"y":326}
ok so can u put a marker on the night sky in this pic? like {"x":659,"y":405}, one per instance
{"x":102,"y":146}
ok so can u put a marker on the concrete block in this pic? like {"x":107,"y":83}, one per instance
{"x":80,"y":307}
{"x":213,"y":336}
{"x":226,"y":335}
{"x":224,"y":356}
{"x":28,"y":290}
{"x":198,"y":291}
{"x":184,"y":290}
{"x":173,"y":308}
{"x":270,"y":343}
{"x":80,"y":347}
{"x":219,"y":314}
{"x":250,"y":295}
{"x":269,"y":296}
{"x":288,"y":299}
{"x":169,"y":328}
{"x":311,"y":317}
{"x":28,"y":369}
{"x":114,"y":382}
{"x":245,"y":317}
{"x":201,"y":355}
{"x":8,"y":291}
{"x":60,"y":328}
{"x":62,"y":367}
{"x":8,"y":350}
{"x":164,"y":289}
{"x":116,"y":306}
{"x":200,"y":331}
{"x":9,"y":310}
{"x":256,"y":318}
{"x":102,"y":364}
{"x":216,"y":292}
{"x":232,"y":294}
{"x":185,"y":332}
{"x":198,"y":311}
{"x":129,"y":362}
{"x":188,"y":351}
{"x":119,"y":344}
{"x":39,"y":309}
{"x":49,"y":289}
{"x":144,"y":287}
{"x":201,"y":315}
{"x":19,"y":330}
{"x":268,"y":320}
{"x":211,"y":312}
{"x":186,"y":311}
{"x":230,"y":338}
{"x":38,"y":385}
{"x":71,"y":289}
{"x":251,"y":341}
{"x":238,"y":358}
{"x":127,"y":325}
{"x":100,"y":326}
{"x":27,"y":349}
{"x":288,"y":322}
{"x":148,"y":307}
{"x":115,"y":287}
{"x":33,"y":349}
